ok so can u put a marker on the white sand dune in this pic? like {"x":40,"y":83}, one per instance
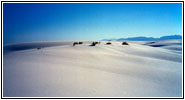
{"x":62,"y":70}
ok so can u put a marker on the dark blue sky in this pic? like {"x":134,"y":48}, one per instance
{"x":28,"y":22}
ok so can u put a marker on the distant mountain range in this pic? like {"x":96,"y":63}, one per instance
{"x":142,"y":38}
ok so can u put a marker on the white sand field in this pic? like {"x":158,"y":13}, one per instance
{"x":140,"y":69}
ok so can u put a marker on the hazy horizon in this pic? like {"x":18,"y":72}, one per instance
{"x":30,"y":22}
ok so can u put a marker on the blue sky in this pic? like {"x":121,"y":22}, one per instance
{"x":30,"y":22}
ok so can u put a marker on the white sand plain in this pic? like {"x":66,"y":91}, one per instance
{"x":140,"y":69}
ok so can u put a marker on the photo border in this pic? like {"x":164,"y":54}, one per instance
{"x":95,"y":97}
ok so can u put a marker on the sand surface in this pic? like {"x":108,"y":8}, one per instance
{"x":58,"y":69}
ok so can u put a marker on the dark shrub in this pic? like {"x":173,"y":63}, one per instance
{"x":75,"y":43}
{"x":39,"y":48}
{"x":124,"y":43}
{"x":96,"y":42}
{"x":93,"y":43}
{"x":108,"y":43}
{"x":80,"y":43}
{"x":152,"y":42}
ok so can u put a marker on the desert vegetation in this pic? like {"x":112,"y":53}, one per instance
{"x":124,"y":43}
{"x":94,"y":43}
{"x":80,"y":42}
{"x":151,"y":42}
{"x":97,"y":42}
{"x":75,"y":43}
{"x":39,"y":48}
{"x":108,"y":43}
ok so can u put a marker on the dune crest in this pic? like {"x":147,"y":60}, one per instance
{"x":140,"y":69}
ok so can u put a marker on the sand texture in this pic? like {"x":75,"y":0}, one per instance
{"x":59,"y":69}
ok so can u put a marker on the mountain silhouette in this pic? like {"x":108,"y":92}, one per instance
{"x":142,"y":38}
